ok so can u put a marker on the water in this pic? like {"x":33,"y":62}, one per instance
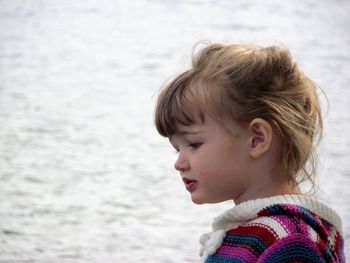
{"x":84,"y":176}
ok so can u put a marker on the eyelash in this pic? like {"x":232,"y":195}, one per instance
{"x":194,"y":145}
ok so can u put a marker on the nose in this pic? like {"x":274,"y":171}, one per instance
{"x":181,"y":163}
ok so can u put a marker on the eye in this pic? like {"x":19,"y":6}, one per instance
{"x":194,"y":145}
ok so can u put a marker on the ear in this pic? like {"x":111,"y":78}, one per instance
{"x":260,"y":137}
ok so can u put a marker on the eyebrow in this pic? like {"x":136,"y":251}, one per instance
{"x":186,"y":132}
{"x":189,"y":132}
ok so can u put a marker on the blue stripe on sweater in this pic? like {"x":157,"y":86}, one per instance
{"x":222,"y":259}
{"x":254,"y":242}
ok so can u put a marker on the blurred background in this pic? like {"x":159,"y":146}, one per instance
{"x":84,"y":176}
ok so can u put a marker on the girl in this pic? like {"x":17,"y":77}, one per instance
{"x":245,"y":121}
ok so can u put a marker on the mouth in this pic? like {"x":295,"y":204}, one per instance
{"x":190,"y":184}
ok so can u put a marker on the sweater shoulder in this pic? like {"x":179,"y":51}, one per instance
{"x":293,"y":248}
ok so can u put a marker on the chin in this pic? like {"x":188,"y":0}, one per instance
{"x":198,"y":201}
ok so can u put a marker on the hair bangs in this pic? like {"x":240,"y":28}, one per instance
{"x":177,"y":104}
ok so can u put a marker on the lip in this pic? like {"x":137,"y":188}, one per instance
{"x":190,"y":184}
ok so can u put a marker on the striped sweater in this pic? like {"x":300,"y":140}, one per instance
{"x":283,"y":228}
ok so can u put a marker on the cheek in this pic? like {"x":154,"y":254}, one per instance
{"x":209,"y":161}
{"x":205,"y":167}
{"x":231,"y":167}
{"x":214,"y":169}
{"x":220,"y":163}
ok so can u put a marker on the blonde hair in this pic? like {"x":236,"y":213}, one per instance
{"x":237,"y":83}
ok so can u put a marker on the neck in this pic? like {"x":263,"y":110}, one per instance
{"x":267,"y":191}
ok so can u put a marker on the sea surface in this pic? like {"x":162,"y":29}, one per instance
{"x":84,"y":176}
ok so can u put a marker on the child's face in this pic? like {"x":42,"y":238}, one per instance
{"x":213,"y":164}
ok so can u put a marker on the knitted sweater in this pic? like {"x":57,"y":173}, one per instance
{"x":283,"y":228}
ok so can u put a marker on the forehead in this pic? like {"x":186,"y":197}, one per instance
{"x":191,"y":129}
{"x":211,"y":127}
